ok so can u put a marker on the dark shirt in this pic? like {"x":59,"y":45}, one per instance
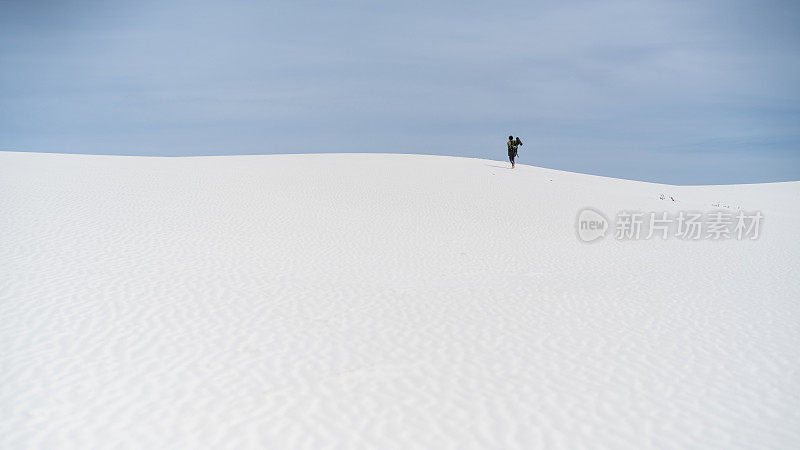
{"x":512,"y":146}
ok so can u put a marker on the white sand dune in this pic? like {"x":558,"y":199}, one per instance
{"x":383,"y":301}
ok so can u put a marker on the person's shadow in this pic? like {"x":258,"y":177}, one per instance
{"x":499,"y":167}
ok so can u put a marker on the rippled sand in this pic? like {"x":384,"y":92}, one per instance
{"x":383,"y":301}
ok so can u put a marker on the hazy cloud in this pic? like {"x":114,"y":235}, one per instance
{"x":670,"y":91}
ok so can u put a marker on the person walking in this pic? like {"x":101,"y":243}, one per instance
{"x":513,"y":147}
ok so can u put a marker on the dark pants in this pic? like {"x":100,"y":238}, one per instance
{"x":511,"y":156}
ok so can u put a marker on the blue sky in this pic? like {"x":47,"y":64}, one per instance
{"x":680,"y":92}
